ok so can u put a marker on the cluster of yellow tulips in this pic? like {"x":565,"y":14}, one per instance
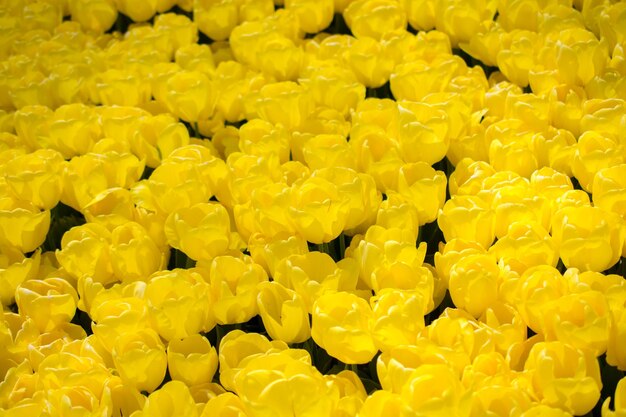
{"x":345,"y":208}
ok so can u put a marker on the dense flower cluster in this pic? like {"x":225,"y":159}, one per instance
{"x":312,"y":208}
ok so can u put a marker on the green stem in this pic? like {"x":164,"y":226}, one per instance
{"x":196,"y":129}
{"x":342,"y":246}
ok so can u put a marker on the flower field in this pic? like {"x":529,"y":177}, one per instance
{"x":343,"y":208}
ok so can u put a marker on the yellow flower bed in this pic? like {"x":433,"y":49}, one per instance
{"x":312,"y":208}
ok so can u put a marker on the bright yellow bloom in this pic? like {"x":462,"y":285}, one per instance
{"x":595,"y":151}
{"x":319,"y":210}
{"x":237,"y":348}
{"x":280,"y":384}
{"x":414,"y":80}
{"x":313,"y":15}
{"x":609,"y":189}
{"x":226,"y":404}
{"x":436,"y":389}
{"x":191,"y":360}
{"x":140,"y":359}
{"x":171,"y":400}
{"x":341,"y":325}
{"x":117,"y":314}
{"x":588,"y":238}
{"x":474,"y":282}
{"x":424,"y":187}
{"x":15,"y":268}
{"x":138,"y":12}
{"x":314,"y":274}
{"x":374,"y":18}
{"x":195,"y":57}
{"x":234,"y":288}
{"x":50,"y":302}
{"x":191,"y":96}
{"x":269,"y":252}
{"x":525,"y":245}
{"x":333,"y":86}
{"x":468,"y":218}
{"x":36,"y":177}
{"x":97,"y":16}
{"x":216,"y":19}
{"x":285,"y":103}
{"x":95,"y":240}
{"x":121,"y":88}
{"x":564,"y":377}
{"x":462,"y":19}
{"x":284,"y":313}
{"x":616,"y":351}
{"x":398,"y":317}
{"x":384,"y":403}
{"x":170,"y":294}
{"x":201,"y":231}
{"x":134,"y":255}
{"x":370,"y":61}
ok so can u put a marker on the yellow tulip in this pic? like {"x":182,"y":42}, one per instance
{"x":608,"y":186}
{"x":333,"y":86}
{"x":36,"y":177}
{"x":284,"y":313}
{"x":191,"y":96}
{"x":588,"y":238}
{"x":138,"y":12}
{"x":285,"y":103}
{"x":181,"y":30}
{"x":564,"y":377}
{"x":474,"y":14}
{"x":172,"y":399}
{"x":269,"y":252}
{"x":420,"y":14}
{"x":227,"y":404}
{"x":525,"y":245}
{"x":49,"y":302}
{"x":398,"y":317}
{"x":313,"y":274}
{"x":140,"y":359}
{"x":124,"y":314}
{"x":191,"y":360}
{"x":437,"y":390}
{"x":424,"y":187}
{"x":134,"y":255}
{"x":616,"y":353}
{"x":318,"y":210}
{"x":234,"y":288}
{"x":313,"y":16}
{"x":15,"y":268}
{"x":90,"y":238}
{"x":468,"y":218}
{"x":474,"y":282}
{"x":374,"y":18}
{"x":216,"y":19}
{"x":201,"y":231}
{"x":237,"y":348}
{"x":169,"y":294}
{"x":370,"y":61}
{"x":341,"y":325}
{"x":96,"y":16}
{"x":595,"y":151}
{"x":280,"y":385}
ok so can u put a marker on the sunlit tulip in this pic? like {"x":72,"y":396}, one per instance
{"x":284,"y":313}
{"x":140,"y":359}
{"x":192,"y":360}
{"x":341,"y":326}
